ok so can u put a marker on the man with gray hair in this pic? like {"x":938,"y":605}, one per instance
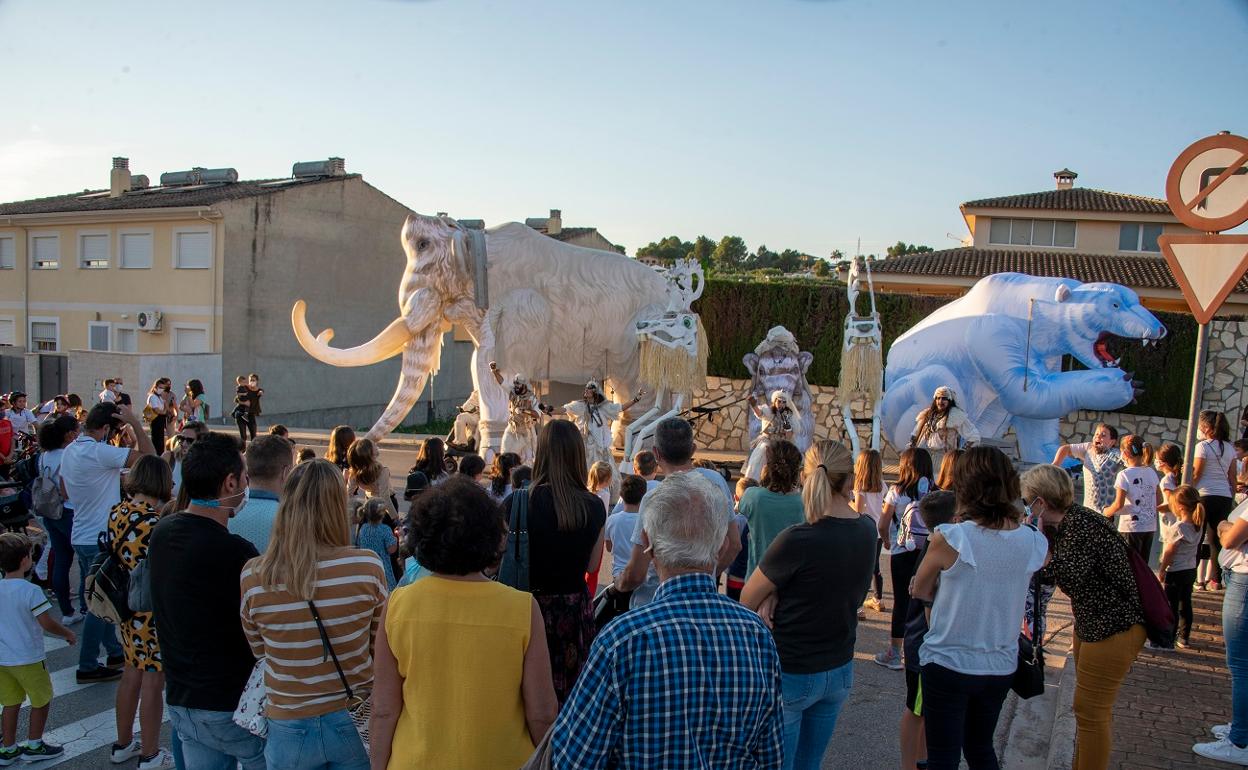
{"x":690,"y":680}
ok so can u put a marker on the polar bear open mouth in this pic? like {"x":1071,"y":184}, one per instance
{"x":1102,"y":347}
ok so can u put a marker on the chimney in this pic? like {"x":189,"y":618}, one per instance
{"x":1065,"y":178}
{"x":554,"y":225}
{"x":119,"y":178}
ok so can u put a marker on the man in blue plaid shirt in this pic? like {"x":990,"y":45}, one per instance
{"x":690,"y":680}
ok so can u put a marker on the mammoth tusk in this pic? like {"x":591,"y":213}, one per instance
{"x":386,"y":344}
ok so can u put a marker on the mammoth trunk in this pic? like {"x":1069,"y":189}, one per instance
{"x":419,"y":356}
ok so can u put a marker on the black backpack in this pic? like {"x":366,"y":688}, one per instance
{"x":108,"y":582}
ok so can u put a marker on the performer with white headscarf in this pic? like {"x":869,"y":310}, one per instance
{"x":943,"y":425}
{"x":593,"y":415}
{"x":467,"y":418}
{"x":523,"y":412}
{"x":778,"y":420}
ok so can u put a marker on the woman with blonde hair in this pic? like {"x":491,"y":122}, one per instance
{"x":1088,"y":561}
{"x":311,"y":605}
{"x":340,"y":440}
{"x":808,"y":587}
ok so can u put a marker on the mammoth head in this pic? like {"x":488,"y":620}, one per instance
{"x":437,"y":259}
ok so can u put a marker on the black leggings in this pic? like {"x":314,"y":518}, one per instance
{"x":246,"y":424}
{"x":878,"y":577}
{"x":1179,"y":591}
{"x":1217,"y":508}
{"x":158,"y":433}
{"x":961,"y":712}
{"x":901,"y":567}
{"x":1140,"y":542}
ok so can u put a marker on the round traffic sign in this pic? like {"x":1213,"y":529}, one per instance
{"x":1207,"y":187}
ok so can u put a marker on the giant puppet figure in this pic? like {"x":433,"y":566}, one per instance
{"x":1000,"y":349}
{"x":778,"y":365}
{"x":524,"y":298}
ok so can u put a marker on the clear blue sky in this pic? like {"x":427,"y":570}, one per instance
{"x":792,"y":123}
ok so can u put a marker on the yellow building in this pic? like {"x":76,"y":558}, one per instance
{"x":1068,"y":232}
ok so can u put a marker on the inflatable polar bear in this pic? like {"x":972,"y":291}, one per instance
{"x":978,"y":345}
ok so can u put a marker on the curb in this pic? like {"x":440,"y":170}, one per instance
{"x":1029,"y":729}
{"x":1062,"y":740}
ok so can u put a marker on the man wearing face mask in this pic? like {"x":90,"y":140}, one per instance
{"x":111,"y":388}
{"x":91,"y":473}
{"x":195,"y":565}
{"x":269,"y":460}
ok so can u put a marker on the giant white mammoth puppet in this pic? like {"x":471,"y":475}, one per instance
{"x":1004,"y":376}
{"x":524,"y":298}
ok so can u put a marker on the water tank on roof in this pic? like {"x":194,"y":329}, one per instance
{"x":199,"y":175}
{"x":314,"y":168}
{"x":139,"y":182}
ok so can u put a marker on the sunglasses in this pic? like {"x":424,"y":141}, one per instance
{"x":186,"y":439}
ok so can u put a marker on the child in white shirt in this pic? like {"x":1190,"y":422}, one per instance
{"x":1137,"y":495}
{"x":23,"y":674}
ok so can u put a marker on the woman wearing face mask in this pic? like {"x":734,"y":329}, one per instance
{"x":159,"y":409}
{"x":1089,"y":563}
{"x":181,"y":444}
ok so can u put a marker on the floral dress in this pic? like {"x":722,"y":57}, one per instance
{"x":138,"y":634}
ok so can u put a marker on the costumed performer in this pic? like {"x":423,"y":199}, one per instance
{"x":523,"y":413}
{"x":943,"y":426}
{"x":467,"y":418}
{"x":593,"y":415}
{"x":778,"y":419}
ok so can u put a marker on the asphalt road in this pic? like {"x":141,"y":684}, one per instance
{"x":83,"y":718}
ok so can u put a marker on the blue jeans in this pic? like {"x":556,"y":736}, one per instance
{"x":62,"y":558}
{"x":327,"y":742}
{"x":95,"y":632}
{"x":211,"y":740}
{"x":1235,"y":631}
{"x":812,"y":703}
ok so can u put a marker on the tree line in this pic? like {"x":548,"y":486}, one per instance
{"x":730,"y":254}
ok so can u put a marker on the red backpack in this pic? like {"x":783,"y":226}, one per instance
{"x":6,"y":437}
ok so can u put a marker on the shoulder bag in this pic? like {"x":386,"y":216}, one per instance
{"x":514,"y":570}
{"x":359,"y":707}
{"x":250,"y":712}
{"x":1029,"y":676}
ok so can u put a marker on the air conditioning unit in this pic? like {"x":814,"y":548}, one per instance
{"x":150,"y":321}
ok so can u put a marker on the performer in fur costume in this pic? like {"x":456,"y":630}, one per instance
{"x":523,"y":413}
{"x":467,"y":418}
{"x":778,"y":420}
{"x":593,"y":414}
{"x":943,"y":425}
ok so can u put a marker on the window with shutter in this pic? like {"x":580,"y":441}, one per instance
{"x":193,"y":250}
{"x":45,"y":251}
{"x":8,"y":331}
{"x":8,"y":253}
{"x":93,"y":250}
{"x":136,"y":250}
{"x":43,"y":336}
{"x":97,"y":336}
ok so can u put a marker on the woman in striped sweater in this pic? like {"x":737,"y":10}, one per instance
{"x":311,"y":605}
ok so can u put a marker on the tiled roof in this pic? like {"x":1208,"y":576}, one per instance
{"x":160,"y":197}
{"x":1076,"y":199}
{"x":1144,"y":272}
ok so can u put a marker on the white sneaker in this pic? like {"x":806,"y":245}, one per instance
{"x":73,"y":618}
{"x":1220,"y":731}
{"x":161,"y":761}
{"x":1223,"y":751}
{"x":126,"y":753}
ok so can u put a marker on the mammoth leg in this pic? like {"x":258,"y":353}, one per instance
{"x":418,"y":356}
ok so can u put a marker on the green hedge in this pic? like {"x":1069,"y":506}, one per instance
{"x":737,"y":316}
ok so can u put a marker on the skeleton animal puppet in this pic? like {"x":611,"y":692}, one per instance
{"x":779,"y":422}
{"x":593,"y":415}
{"x":523,"y":412}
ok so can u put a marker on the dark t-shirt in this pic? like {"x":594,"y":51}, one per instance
{"x":821,"y":572}
{"x":195,"y":564}
{"x":558,"y":560}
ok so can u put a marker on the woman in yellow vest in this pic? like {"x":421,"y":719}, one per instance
{"x":462,"y":673}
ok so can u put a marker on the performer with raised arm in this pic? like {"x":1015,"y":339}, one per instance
{"x":523,"y":413}
{"x":593,"y":414}
{"x":778,"y":419}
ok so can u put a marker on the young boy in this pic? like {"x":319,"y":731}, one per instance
{"x":935,"y":508}
{"x":23,"y":674}
{"x":619,"y":528}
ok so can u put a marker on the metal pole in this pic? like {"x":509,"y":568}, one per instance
{"x":1193,"y":413}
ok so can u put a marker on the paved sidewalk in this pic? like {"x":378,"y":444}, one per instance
{"x":1171,"y":699}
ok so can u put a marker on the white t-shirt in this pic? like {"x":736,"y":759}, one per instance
{"x":156,"y":402}
{"x":50,"y":464}
{"x":21,"y":601}
{"x":1218,"y":456}
{"x":23,"y":420}
{"x":900,"y":502}
{"x":619,"y":530}
{"x":873,"y":503}
{"x":1187,"y":536}
{"x":1139,"y":513}
{"x":91,"y":471}
{"x":108,"y":397}
{"x":1235,"y":559}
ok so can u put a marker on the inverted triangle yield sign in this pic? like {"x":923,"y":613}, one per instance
{"x":1206,"y":267}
